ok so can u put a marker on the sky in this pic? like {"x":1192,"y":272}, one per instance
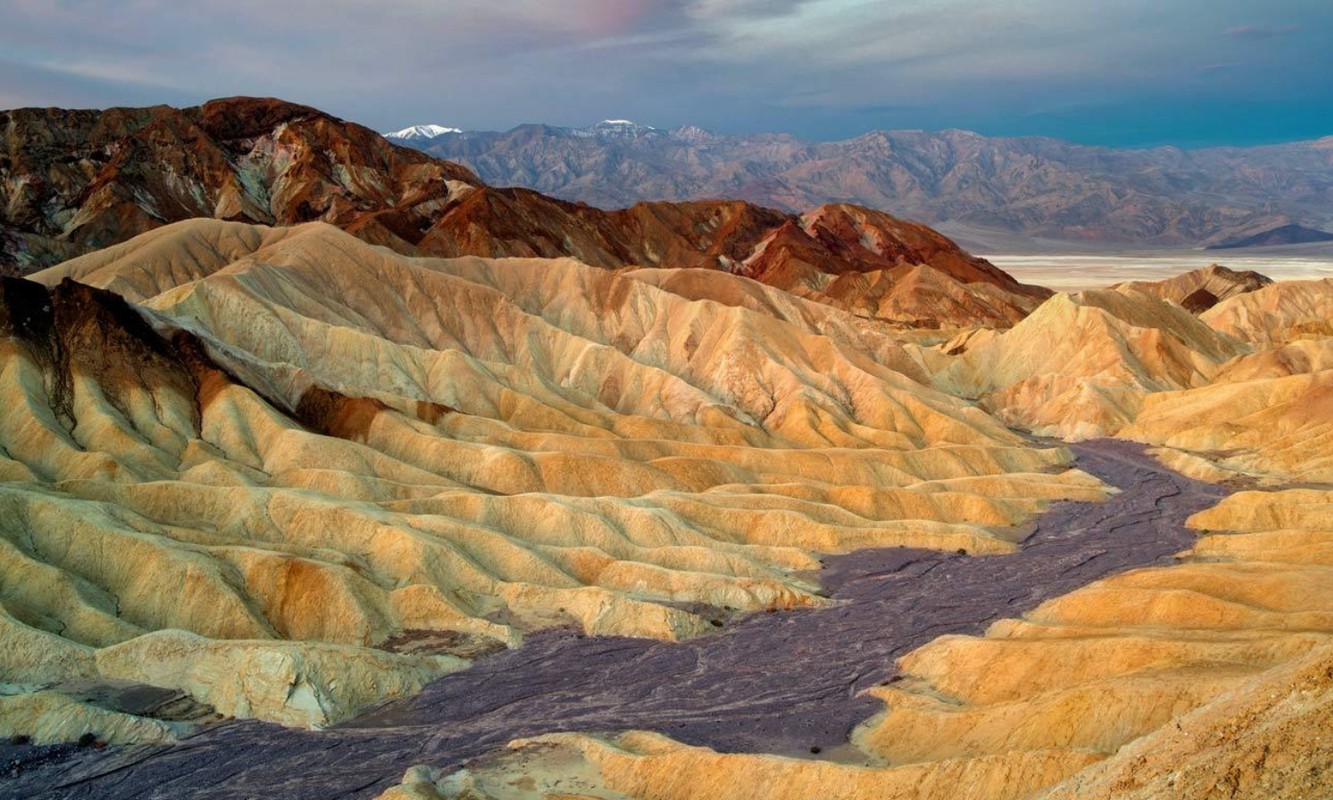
{"x":1115,"y":72}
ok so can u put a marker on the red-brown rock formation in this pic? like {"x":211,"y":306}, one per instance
{"x":74,"y":181}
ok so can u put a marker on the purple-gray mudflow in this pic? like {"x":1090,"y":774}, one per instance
{"x":773,"y":683}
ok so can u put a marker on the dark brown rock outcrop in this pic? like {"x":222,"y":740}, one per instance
{"x":1201,"y":289}
{"x":75,"y":181}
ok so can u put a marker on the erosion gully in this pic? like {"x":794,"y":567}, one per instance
{"x":772,"y":683}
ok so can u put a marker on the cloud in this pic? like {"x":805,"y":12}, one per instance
{"x":742,"y":9}
{"x":812,"y":66}
{"x":1260,"y":31}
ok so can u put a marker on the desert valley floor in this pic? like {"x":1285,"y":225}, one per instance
{"x":1076,"y":272}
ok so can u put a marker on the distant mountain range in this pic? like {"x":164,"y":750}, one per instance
{"x":968,"y":183}
{"x":72,"y":182}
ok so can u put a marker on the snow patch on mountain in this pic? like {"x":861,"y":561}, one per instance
{"x":420,"y":133}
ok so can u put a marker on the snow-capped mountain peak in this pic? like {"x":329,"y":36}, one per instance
{"x":420,"y":133}
{"x":614,"y":129}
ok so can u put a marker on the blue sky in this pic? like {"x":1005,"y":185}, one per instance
{"x":1119,"y":72}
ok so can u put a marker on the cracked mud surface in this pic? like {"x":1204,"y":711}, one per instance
{"x":775,"y":683}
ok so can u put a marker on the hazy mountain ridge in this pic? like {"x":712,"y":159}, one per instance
{"x":74,"y":181}
{"x":1282,"y":235}
{"x":1032,"y":185}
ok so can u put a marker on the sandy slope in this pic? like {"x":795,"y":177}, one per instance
{"x":330,"y":448}
{"x":1196,"y":680}
{"x":324,"y":445}
{"x":1080,"y":365}
{"x":1207,"y":678}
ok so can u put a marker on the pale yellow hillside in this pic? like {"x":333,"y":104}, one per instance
{"x":323,"y":445}
{"x":1284,"y":312}
{"x":1080,"y":365}
{"x":1272,"y":429}
{"x":1267,"y":416}
{"x":167,"y":257}
{"x":1200,"y":289}
{"x":1205,"y":679}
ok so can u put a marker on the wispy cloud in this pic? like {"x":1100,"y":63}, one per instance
{"x":1260,"y":31}
{"x":812,"y":66}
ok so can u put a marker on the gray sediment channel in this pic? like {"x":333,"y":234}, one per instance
{"x":773,"y":683}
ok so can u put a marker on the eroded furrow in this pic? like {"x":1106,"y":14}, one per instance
{"x":775,"y":683}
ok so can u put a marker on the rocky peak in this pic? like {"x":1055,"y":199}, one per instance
{"x":73,"y":181}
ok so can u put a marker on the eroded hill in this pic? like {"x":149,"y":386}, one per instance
{"x":290,"y":472}
{"x":75,"y":181}
{"x":328,"y":445}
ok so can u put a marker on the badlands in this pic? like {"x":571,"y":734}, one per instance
{"x":360,"y":478}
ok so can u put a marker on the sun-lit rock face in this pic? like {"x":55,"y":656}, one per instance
{"x":1159,"y":683}
{"x":877,"y":266}
{"x":1274,"y":430}
{"x":1080,"y":365}
{"x":863,"y":261}
{"x":49,"y":717}
{"x":1264,"y":556}
{"x":1265,"y":416}
{"x":1284,"y":312}
{"x":640,"y":764}
{"x":300,"y":450}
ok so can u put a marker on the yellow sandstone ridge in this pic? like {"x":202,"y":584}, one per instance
{"x":1272,"y":429}
{"x":1283,"y":312}
{"x":1266,"y":416}
{"x":1080,"y":365}
{"x":1214,"y":675}
{"x":48,"y":717}
{"x":1200,"y":289}
{"x":305,"y":450}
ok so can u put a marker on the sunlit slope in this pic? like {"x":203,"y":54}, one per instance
{"x":1244,"y":390}
{"x":1284,"y":312}
{"x":1172,"y":682}
{"x":318,"y":445}
{"x":1080,"y":365}
{"x":1209,"y":676}
{"x":1200,"y":289}
{"x":1266,"y":416}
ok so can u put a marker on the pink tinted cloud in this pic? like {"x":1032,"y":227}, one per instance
{"x":594,"y":19}
{"x":617,"y":17}
{"x":1260,"y":31}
